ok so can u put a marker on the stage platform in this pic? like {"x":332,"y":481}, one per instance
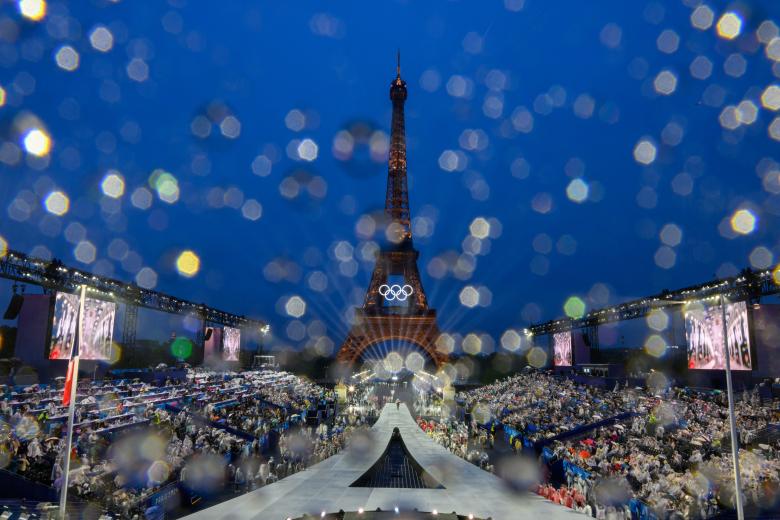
{"x":326,"y":486}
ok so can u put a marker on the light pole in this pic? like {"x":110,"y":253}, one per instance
{"x":732,"y":418}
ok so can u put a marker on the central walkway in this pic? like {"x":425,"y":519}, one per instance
{"x":326,"y":486}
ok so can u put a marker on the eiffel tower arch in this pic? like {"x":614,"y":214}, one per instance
{"x":395,"y":306}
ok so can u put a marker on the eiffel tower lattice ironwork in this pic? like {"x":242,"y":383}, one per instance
{"x":395,"y":308}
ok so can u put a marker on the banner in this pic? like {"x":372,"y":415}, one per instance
{"x":231,"y":343}
{"x":97,"y":327}
{"x":704,"y":334}
{"x":562,"y":349}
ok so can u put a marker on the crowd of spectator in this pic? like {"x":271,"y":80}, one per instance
{"x":541,"y":406}
{"x":674,"y":456}
{"x":570,"y":497}
{"x":666,"y":451}
{"x":213,"y":434}
{"x":455,"y":435}
{"x":217,"y":434}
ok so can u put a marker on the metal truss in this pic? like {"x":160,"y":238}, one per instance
{"x":130,"y":325}
{"x":748,"y":286}
{"x":54,"y":275}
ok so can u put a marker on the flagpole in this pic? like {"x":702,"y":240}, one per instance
{"x":74,"y":368}
{"x":732,"y":418}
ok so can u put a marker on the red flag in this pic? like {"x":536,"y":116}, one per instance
{"x":68,"y":382}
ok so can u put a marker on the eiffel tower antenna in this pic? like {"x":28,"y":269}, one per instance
{"x":397,"y":197}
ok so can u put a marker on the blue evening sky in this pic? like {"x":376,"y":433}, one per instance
{"x":518,"y":99}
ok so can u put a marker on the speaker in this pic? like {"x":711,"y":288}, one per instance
{"x":209,"y":332}
{"x":245,"y":358}
{"x":14,"y":307}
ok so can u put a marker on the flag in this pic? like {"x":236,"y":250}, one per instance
{"x":68,"y":381}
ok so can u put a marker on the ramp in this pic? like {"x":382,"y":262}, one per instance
{"x":464,"y":488}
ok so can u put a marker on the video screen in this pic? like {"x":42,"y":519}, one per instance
{"x":231,"y":344}
{"x":212,"y":343}
{"x":98,"y":327}
{"x":704,"y":333}
{"x":562,"y":349}
{"x":63,"y":330}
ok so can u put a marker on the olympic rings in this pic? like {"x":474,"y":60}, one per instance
{"x":395,"y":292}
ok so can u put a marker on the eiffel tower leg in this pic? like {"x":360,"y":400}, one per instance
{"x":413,"y":279}
{"x":378,"y":277}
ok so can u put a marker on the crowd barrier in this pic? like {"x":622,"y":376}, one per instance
{"x":570,"y":467}
{"x":149,"y":375}
{"x":111,"y":431}
{"x":511,"y":434}
{"x":165,"y":499}
{"x":598,"y":381}
{"x":579,"y":430}
{"x":640,"y":510}
{"x":215,"y":424}
{"x":13,"y":486}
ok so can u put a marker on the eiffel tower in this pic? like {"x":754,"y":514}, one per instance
{"x":395,"y":307}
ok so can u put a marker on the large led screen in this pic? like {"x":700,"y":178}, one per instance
{"x":231,"y":344}
{"x":704,"y":333}
{"x":562,"y":349}
{"x":212,"y":343}
{"x":98,"y":327}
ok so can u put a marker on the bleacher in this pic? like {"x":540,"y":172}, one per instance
{"x":112,"y":409}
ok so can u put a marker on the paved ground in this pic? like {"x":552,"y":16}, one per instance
{"x":325,"y":486}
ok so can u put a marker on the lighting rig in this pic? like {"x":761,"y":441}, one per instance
{"x":53,"y":275}
{"x":748,"y":286}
